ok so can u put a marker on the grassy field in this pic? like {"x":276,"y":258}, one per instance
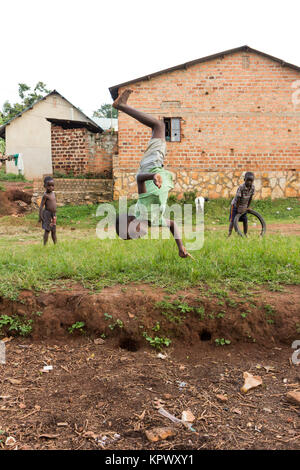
{"x":216,"y":212}
{"x":80,"y":256}
{"x":273,"y":260}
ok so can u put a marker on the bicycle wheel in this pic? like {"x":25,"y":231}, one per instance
{"x":256,"y":214}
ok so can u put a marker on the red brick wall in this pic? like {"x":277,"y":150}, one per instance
{"x":232,"y":117}
{"x":102,"y":149}
{"x":70,"y":150}
{"x":79,"y":151}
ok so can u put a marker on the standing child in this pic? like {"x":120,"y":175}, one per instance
{"x":242,"y":201}
{"x":153,"y":182}
{"x":48,"y":215}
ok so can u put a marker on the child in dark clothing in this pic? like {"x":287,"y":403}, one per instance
{"x":48,"y":215}
{"x":242,"y":201}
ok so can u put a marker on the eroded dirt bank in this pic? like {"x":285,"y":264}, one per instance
{"x":187,"y":317}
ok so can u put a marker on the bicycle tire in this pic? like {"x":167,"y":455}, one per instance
{"x":256,"y":214}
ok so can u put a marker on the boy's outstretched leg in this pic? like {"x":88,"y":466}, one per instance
{"x":157,"y":126}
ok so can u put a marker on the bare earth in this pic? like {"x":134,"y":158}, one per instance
{"x":109,"y":389}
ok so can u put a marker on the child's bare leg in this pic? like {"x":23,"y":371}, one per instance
{"x":175,"y":232}
{"x":157,"y":126}
{"x":230,"y":228}
{"x":53,"y":235}
{"x":46,"y":236}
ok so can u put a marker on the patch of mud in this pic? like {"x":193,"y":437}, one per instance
{"x":189,"y":317}
{"x":14,"y":202}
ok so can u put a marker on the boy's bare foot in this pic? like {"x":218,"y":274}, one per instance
{"x":157,"y":180}
{"x":122,"y":99}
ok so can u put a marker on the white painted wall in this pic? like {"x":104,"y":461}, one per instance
{"x":30,"y":134}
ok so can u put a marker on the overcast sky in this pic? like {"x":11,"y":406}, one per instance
{"x":81,"y":48}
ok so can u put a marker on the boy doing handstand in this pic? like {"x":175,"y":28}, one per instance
{"x":153,"y":181}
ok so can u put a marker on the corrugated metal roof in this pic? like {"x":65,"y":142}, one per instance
{"x":71,"y":124}
{"x":114,"y":89}
{"x":107,"y":123}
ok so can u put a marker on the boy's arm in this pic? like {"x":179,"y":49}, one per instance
{"x":142,"y":177}
{"x":41,"y":208}
{"x":249,"y":202}
{"x":175,"y":232}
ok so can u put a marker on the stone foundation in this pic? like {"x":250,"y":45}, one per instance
{"x":76,"y":191}
{"x":217,"y":184}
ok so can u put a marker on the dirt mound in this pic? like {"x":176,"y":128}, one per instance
{"x":14,"y":201}
{"x":135,"y":314}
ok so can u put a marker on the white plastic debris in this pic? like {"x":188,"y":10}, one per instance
{"x":106,"y":440}
{"x":166,"y":414}
{"x":10,"y":441}
{"x":161,"y":356}
{"x":181,"y":384}
{"x":2,"y":352}
{"x":267,"y":410}
{"x":48,"y":368}
{"x":199,"y":203}
{"x":173,"y":418}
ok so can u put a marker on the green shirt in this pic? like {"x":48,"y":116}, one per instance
{"x":151,"y":205}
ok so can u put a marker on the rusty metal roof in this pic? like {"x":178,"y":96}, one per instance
{"x":71,"y":124}
{"x":114,"y":89}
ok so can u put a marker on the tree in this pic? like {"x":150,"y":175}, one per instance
{"x":28,"y":98}
{"x":106,"y":111}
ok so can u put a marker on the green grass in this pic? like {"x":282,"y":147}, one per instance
{"x":235,"y":263}
{"x":79,"y":256}
{"x":216,"y":212}
{"x":76,"y":216}
{"x":10,"y":176}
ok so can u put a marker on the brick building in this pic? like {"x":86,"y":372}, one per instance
{"x":54,"y":136}
{"x":225,"y":114}
{"x":79,"y":148}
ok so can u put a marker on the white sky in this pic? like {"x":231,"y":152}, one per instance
{"x":81,"y":48}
